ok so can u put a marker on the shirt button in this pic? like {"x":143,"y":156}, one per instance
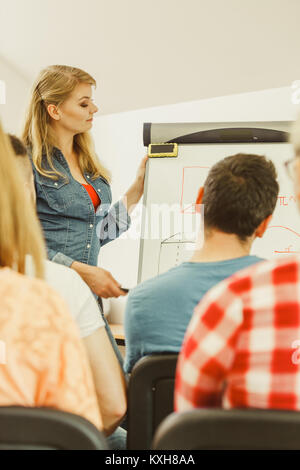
{"x":99,"y":190}
{"x":88,"y":246}
{"x":88,"y":177}
{"x":91,"y":225}
{"x":55,"y":184}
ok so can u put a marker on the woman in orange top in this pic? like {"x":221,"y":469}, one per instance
{"x":42,"y":361}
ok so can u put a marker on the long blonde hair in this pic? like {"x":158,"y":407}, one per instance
{"x":53,"y":86}
{"x":20,"y":232}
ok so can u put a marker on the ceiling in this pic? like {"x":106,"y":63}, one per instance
{"x":156,"y":52}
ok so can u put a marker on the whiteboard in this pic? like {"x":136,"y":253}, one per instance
{"x":170,"y":224}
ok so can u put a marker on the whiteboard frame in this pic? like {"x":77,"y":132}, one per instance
{"x":176,"y":132}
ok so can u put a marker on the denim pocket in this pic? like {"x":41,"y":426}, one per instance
{"x":58,"y":193}
{"x":103,"y":190}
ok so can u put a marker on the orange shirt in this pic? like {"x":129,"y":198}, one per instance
{"x":43,"y":361}
{"x":93,"y":195}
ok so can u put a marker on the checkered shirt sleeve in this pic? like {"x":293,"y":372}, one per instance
{"x":242,"y":347}
{"x":208,"y":350}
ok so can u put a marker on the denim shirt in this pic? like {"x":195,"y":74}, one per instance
{"x":73,"y":230}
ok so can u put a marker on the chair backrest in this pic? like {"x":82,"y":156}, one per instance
{"x":237,"y":429}
{"x":150,"y":398}
{"x":43,"y":428}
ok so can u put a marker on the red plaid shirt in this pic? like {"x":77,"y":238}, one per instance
{"x":242,"y":347}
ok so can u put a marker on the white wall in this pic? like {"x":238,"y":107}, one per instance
{"x":119,"y":143}
{"x":17,"y":92}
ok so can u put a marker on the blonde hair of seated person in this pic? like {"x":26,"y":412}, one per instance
{"x":53,"y":86}
{"x":20,"y":232}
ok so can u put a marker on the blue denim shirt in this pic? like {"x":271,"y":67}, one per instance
{"x":73,"y":230}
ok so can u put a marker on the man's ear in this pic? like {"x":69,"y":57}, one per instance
{"x":53,"y":112}
{"x":199,"y":199}
{"x":259,"y":232}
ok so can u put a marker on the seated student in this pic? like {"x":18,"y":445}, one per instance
{"x":241,"y":348}
{"x":45,"y":364}
{"x":108,"y":375}
{"x":239,"y":196}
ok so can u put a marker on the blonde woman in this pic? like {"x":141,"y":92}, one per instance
{"x":43,"y":362}
{"x":73,"y":191}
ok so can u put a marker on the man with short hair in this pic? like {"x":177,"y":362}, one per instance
{"x":239,"y":197}
{"x":241,"y":349}
{"x":108,"y":375}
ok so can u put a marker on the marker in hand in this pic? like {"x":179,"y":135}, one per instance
{"x":124,"y":289}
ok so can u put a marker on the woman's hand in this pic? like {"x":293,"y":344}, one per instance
{"x":135,"y":192}
{"x":100,"y":281}
{"x":140,"y":176}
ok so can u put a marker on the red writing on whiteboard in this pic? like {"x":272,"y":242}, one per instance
{"x":286,"y":200}
{"x":289,"y":249}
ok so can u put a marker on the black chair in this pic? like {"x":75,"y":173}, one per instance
{"x":207,"y":429}
{"x":24,"y":428}
{"x":150,"y":398}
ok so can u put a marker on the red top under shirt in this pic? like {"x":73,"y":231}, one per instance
{"x":93,"y":195}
